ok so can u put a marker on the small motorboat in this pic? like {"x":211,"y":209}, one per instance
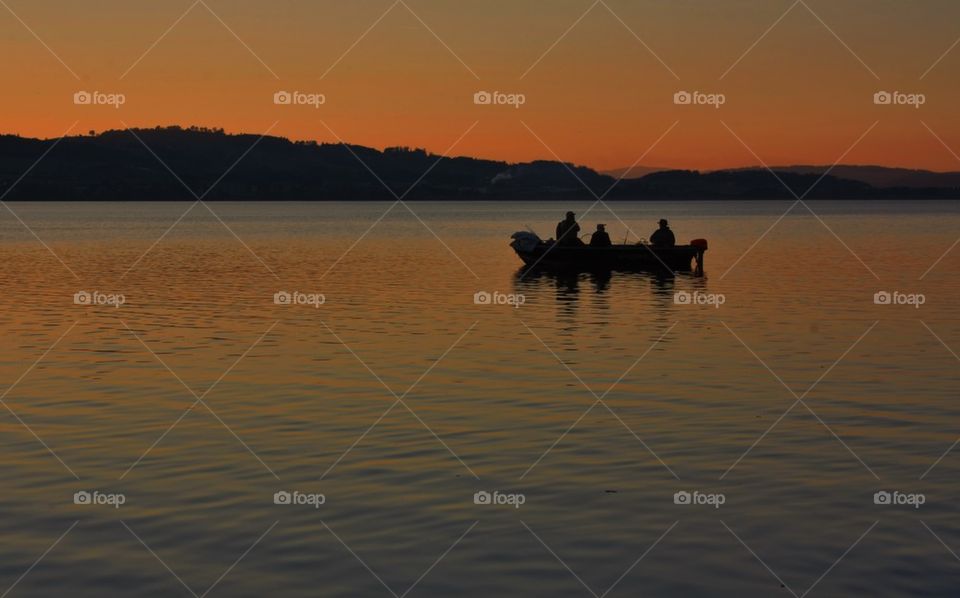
{"x":537,"y":253}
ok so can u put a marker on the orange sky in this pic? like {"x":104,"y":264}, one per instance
{"x":599,"y":97}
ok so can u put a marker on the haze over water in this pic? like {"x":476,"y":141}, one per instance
{"x":494,"y":398}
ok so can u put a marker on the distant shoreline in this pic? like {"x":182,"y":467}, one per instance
{"x":177,"y":164}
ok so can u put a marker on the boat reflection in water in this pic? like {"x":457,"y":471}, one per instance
{"x":568,"y":283}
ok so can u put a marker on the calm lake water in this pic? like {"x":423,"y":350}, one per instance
{"x":597,"y":400}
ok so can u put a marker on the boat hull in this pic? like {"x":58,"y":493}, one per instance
{"x":681,"y":258}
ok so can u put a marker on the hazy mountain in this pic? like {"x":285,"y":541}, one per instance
{"x":881,"y":176}
{"x":633,"y":172}
{"x":117,"y":165}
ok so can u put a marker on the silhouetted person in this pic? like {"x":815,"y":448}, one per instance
{"x":600,"y":238}
{"x":663,"y":237}
{"x":568,"y":231}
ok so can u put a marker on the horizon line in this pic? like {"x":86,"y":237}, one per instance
{"x":382,"y":149}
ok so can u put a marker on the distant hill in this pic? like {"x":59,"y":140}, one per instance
{"x":633,"y":172}
{"x":115,"y":165}
{"x":881,"y":176}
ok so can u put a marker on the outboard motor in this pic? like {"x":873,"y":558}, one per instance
{"x":524,"y":241}
{"x":701,"y":247}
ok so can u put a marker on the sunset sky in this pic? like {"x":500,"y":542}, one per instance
{"x":599,"y":97}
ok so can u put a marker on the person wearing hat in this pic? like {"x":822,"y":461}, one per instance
{"x":663,"y":237}
{"x":600,"y":238}
{"x":568,"y":231}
